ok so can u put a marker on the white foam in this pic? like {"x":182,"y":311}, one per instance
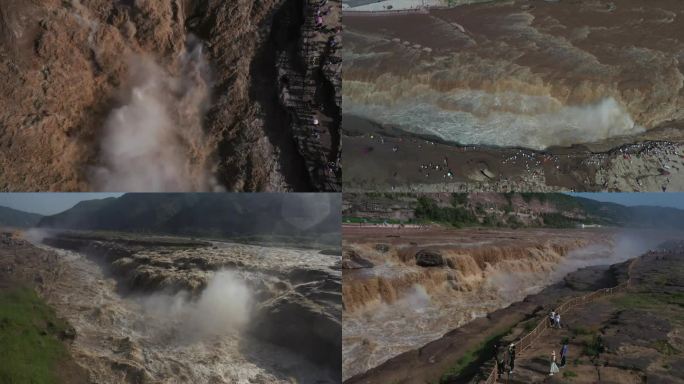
{"x":501,"y":119}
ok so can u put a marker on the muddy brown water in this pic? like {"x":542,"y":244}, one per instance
{"x":397,"y":306}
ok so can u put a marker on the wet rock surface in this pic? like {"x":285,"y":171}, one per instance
{"x":425,"y":258}
{"x":352,"y":260}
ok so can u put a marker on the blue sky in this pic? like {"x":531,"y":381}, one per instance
{"x":663,"y":199}
{"x":48,"y":203}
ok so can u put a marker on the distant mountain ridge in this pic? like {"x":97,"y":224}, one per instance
{"x":10,"y":217}
{"x":617,"y":214}
{"x":205,"y":214}
{"x":506,"y":209}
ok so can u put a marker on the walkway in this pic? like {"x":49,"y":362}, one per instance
{"x":539,"y":342}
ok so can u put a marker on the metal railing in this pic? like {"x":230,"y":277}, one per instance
{"x":529,"y":339}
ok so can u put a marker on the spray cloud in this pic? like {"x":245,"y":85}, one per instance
{"x":470,"y":116}
{"x":513,"y":285}
{"x":35,"y":236}
{"x":154,"y":141}
{"x":224,"y":306}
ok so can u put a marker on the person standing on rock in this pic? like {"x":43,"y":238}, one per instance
{"x":558,"y":323}
{"x":552,"y":318}
{"x":511,"y":358}
{"x":564,"y":353}
{"x":554,"y":368}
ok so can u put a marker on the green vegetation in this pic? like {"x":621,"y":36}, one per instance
{"x":356,"y":220}
{"x":458,"y":215}
{"x":514,"y":222}
{"x":459,"y":199}
{"x":379,"y":195}
{"x":471,"y":360}
{"x":557,"y":220}
{"x":594,"y":347}
{"x":529,"y":196}
{"x":562,"y":201}
{"x":567,"y":211}
{"x":29,"y":338}
{"x":491,"y":221}
{"x":299,"y":241}
{"x":569,"y":374}
{"x":665,"y":348}
{"x":530,"y":325}
{"x":428,"y":209}
{"x":650,"y":301}
{"x":580,"y":331}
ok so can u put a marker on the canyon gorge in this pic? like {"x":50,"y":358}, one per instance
{"x":138,"y":95}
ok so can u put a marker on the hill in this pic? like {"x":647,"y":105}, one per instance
{"x":206,"y":214}
{"x":554,"y":210}
{"x":14,"y":218}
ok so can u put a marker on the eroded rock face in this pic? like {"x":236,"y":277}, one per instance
{"x":66,"y":65}
{"x":55,"y":97}
{"x":352,"y":260}
{"x":429,"y":258}
{"x":384,"y":248}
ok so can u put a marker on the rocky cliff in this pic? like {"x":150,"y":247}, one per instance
{"x":193,"y":84}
